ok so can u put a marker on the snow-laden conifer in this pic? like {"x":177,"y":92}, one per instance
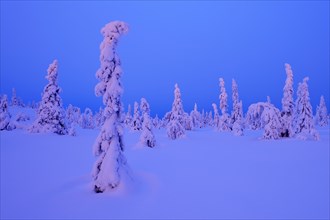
{"x":216,"y":115}
{"x":72,"y":129}
{"x":237,"y":126}
{"x":287,"y":103}
{"x":224,"y":122}
{"x":147,"y":136}
{"x":196,"y":118}
{"x":128,"y":117}
{"x":50,"y":114}
{"x":72,"y":114}
{"x":321,"y":117}
{"x":5,"y":117}
{"x":144,"y":106}
{"x":303,"y":119}
{"x":209,"y":119}
{"x":237,"y":112}
{"x":157,"y":122}
{"x":109,"y":145}
{"x":271,"y":122}
{"x":14,"y":100}
{"x":136,"y":122}
{"x":99,"y":118}
{"x":87,"y":120}
{"x":177,"y":118}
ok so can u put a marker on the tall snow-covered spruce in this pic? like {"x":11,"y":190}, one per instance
{"x":175,"y":128}
{"x":109,"y":146}
{"x":303,"y":120}
{"x":287,"y":103}
{"x":51,"y":115}
{"x":224,"y":118}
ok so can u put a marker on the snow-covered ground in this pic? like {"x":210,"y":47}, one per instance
{"x":207,"y":174}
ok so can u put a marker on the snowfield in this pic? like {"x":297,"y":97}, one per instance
{"x":207,"y":174}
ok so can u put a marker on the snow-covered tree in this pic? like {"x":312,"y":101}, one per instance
{"x":287,"y":103}
{"x":99,"y":118}
{"x":156,"y":122}
{"x":264,"y":115}
{"x":109,"y":145}
{"x":303,"y":120}
{"x":72,"y":129}
{"x":128,"y":117}
{"x":147,"y":136}
{"x":209,"y":119}
{"x":270,"y":120}
{"x":321,"y":117}
{"x":237,"y":126}
{"x":216,"y":115}
{"x":196,"y":118}
{"x":136,"y":123}
{"x":175,"y":128}
{"x":144,"y":106}
{"x":14,"y":100}
{"x":72,"y":114}
{"x":51,"y":115}
{"x":5,"y":117}
{"x":87,"y":120}
{"x":224,"y":122}
{"x":237,"y":112}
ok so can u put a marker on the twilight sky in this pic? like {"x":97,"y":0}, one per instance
{"x":189,"y":43}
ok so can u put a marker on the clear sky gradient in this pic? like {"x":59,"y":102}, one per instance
{"x":189,"y":43}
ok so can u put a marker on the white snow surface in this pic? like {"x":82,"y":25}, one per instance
{"x":205,"y":175}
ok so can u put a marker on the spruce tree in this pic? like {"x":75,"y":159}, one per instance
{"x":50,"y":114}
{"x":147,"y":136}
{"x":287,"y":103}
{"x":224,"y":123}
{"x":322,"y":113}
{"x":174,"y":127}
{"x":109,"y":145}
{"x":303,"y":120}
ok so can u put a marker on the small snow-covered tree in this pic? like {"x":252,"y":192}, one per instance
{"x":237,"y":127}
{"x":147,"y":136}
{"x":136,"y":123}
{"x":224,"y":122}
{"x":237,"y":112}
{"x":5,"y":117}
{"x":128,"y":117}
{"x":209,"y":119}
{"x":72,"y":114}
{"x":303,"y":120}
{"x":99,"y":118}
{"x":72,"y":129}
{"x":177,"y":118}
{"x":287,"y":103}
{"x":216,"y":115}
{"x":187,"y":122}
{"x":156,"y":122}
{"x":109,"y":145}
{"x":14,"y":99}
{"x":270,"y":119}
{"x":196,"y":118}
{"x":50,"y":114}
{"x":144,"y":106}
{"x":321,"y":117}
{"x":87,"y":120}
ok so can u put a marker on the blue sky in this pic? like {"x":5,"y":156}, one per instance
{"x":189,"y":43}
